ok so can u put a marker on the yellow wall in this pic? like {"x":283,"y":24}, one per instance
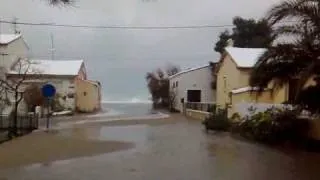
{"x":310,"y":82}
{"x":227,"y":79}
{"x":244,"y":77}
{"x":264,"y":97}
{"x":280,"y":95}
{"x":88,"y":96}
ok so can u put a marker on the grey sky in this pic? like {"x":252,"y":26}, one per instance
{"x":119,"y":58}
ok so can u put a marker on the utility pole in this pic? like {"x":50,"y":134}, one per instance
{"x":14,"y":26}
{"x":1,"y":53}
{"x":0,"y":26}
{"x":52,"y":47}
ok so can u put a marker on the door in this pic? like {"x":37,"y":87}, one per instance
{"x":194,"y":96}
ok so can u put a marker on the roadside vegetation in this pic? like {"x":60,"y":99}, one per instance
{"x":158,"y":84}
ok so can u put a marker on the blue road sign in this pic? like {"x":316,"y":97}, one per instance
{"x":48,"y":90}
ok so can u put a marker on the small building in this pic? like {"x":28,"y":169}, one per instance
{"x":88,"y":96}
{"x":233,"y":73}
{"x":193,"y":85}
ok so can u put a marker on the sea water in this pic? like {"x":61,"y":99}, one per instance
{"x":126,"y":109}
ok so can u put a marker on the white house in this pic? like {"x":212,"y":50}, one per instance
{"x":193,"y":85}
{"x":12,"y":48}
{"x":62,"y":74}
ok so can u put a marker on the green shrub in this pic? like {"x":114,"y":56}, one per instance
{"x":218,"y":120}
{"x":273,"y":126}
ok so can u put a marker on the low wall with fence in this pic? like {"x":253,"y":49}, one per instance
{"x":199,"y":111}
{"x":24,"y":125}
{"x":243,"y":110}
{"x":205,"y":107}
{"x":199,"y":115}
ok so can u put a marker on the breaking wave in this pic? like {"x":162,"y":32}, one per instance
{"x":129,"y":101}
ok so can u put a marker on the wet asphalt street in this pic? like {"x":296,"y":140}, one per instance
{"x":175,"y":149}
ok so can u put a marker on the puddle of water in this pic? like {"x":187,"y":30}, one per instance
{"x":137,"y":134}
{"x":134,"y":133}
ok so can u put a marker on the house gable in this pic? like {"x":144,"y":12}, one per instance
{"x":12,"y":51}
{"x":227,"y":79}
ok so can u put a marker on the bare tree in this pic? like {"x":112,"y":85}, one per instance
{"x":12,"y":87}
{"x":172,"y":69}
{"x":33,"y":96}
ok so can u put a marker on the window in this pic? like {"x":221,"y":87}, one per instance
{"x":177,"y":84}
{"x":70,"y":95}
{"x":84,"y":93}
{"x":173,"y":85}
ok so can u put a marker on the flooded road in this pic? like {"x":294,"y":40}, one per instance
{"x":174,"y":148}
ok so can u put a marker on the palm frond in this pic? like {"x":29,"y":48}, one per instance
{"x":294,"y":31}
{"x":279,"y":64}
{"x":297,"y":10}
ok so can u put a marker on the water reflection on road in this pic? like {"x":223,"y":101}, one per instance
{"x":174,"y":151}
{"x":137,"y":134}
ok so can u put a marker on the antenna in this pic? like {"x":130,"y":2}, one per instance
{"x":52,"y":47}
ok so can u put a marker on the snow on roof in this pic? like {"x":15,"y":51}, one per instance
{"x":48,"y":67}
{"x":245,"y":89}
{"x":8,"y":38}
{"x":245,"y":57}
{"x":188,"y":70}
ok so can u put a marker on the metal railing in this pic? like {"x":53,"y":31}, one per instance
{"x":198,"y":106}
{"x":24,"y":125}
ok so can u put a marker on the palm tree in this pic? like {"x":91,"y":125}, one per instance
{"x":297,"y":58}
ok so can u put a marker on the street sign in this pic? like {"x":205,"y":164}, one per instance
{"x":48,"y":90}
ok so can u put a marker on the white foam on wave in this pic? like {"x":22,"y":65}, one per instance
{"x":128,"y":101}
{"x":106,"y":113}
{"x":158,"y":115}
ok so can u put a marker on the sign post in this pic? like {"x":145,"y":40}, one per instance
{"x":48,"y":92}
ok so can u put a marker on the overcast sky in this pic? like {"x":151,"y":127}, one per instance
{"x":119,"y":58}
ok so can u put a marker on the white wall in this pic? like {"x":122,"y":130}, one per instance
{"x":15,"y":50}
{"x":199,"y":79}
{"x":63,"y":86}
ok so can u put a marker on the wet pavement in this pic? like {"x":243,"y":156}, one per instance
{"x":171,"y":149}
